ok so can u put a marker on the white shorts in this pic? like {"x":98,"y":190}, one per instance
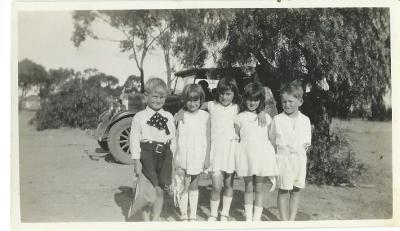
{"x":292,"y":171}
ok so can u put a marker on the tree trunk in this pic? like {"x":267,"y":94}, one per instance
{"x":22,"y":99}
{"x":169,"y":69}
{"x":141,"y":80}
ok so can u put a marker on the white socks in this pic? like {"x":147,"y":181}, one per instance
{"x":193,"y":200}
{"x":183,"y":205}
{"x":248,"y":210}
{"x":257,"y":213}
{"x":214,"y":208}
{"x":226,"y":205}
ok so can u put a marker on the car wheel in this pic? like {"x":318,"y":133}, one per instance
{"x":118,"y":141}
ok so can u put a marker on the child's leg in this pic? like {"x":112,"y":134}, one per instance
{"x":157,"y":206}
{"x":146,"y":213}
{"x":183,"y":205}
{"x":248,"y":197}
{"x":183,"y":198}
{"x":259,"y":197}
{"x":228,"y":193}
{"x":215,"y":195}
{"x":193,"y":196}
{"x":294,"y":203}
{"x":283,"y":202}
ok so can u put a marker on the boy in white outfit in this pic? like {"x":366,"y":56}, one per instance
{"x":290,"y":134}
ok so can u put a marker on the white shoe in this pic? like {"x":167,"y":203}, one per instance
{"x":211,"y":218}
{"x":184,"y":218}
{"x":224,"y":218}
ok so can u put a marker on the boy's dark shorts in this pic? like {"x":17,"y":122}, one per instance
{"x":156,"y":159}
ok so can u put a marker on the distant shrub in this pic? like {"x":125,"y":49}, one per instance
{"x":77,"y":104}
{"x":332,"y":161}
{"x":388,"y":114}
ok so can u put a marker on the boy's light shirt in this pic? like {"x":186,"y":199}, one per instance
{"x":287,"y":140}
{"x":141,"y":131}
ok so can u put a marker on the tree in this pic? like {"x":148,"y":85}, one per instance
{"x":199,"y":34}
{"x":139,"y":31}
{"x":313,"y":44}
{"x":132,"y":84}
{"x":54,"y":80}
{"x":30,"y":75}
{"x":78,"y":101}
{"x":346,"y":47}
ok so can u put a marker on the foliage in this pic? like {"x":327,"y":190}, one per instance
{"x":331,"y":160}
{"x":139,"y":30}
{"x":132,"y":84}
{"x":198,"y":33}
{"x":77,"y":103}
{"x":350,"y":47}
{"x":54,"y":80}
{"x":30,"y":75}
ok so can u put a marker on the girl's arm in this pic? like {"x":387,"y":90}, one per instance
{"x":179,"y":115}
{"x":261,"y":118}
{"x":237,"y":128}
{"x":208,"y":135}
{"x":204,"y":106}
{"x":176,"y":148}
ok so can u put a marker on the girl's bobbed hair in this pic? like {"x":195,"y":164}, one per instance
{"x":226,"y":84}
{"x":192,"y":92}
{"x":253,"y":91}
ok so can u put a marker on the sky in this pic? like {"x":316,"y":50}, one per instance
{"x":44,"y":38}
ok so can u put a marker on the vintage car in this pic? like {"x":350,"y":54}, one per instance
{"x":114,"y":125}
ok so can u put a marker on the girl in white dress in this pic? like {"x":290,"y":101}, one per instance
{"x":193,"y":142}
{"x":223,"y":112}
{"x":255,"y":155}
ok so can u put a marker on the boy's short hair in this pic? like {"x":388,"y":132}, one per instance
{"x":226,"y":84}
{"x":293,"y":88}
{"x":155,"y":83}
{"x":193,"y":92}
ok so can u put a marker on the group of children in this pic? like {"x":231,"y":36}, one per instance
{"x":232,"y":134}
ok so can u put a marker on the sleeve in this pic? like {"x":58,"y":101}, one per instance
{"x":172,"y":135}
{"x":135,"y":138}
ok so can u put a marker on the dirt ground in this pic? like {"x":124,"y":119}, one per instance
{"x":59,"y":182}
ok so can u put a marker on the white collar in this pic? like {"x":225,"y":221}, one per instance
{"x":152,"y":111}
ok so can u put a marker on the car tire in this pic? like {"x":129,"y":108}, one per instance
{"x":118,"y":141}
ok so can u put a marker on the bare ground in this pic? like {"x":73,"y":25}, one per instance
{"x":59,"y":182}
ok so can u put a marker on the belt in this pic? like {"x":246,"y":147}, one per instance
{"x":158,"y":147}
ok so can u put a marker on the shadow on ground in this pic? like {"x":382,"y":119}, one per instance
{"x":124,"y":198}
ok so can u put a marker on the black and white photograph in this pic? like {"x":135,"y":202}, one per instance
{"x":209,"y":115}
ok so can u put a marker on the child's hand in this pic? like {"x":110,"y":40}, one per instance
{"x":306,"y":147}
{"x":179,"y":117}
{"x":137,"y":167}
{"x":206,"y":165}
{"x":262,"y":120}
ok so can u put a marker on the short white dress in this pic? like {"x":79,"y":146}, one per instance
{"x":192,"y":142}
{"x":290,"y":135}
{"x":255,"y":154}
{"x":223,"y":137}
